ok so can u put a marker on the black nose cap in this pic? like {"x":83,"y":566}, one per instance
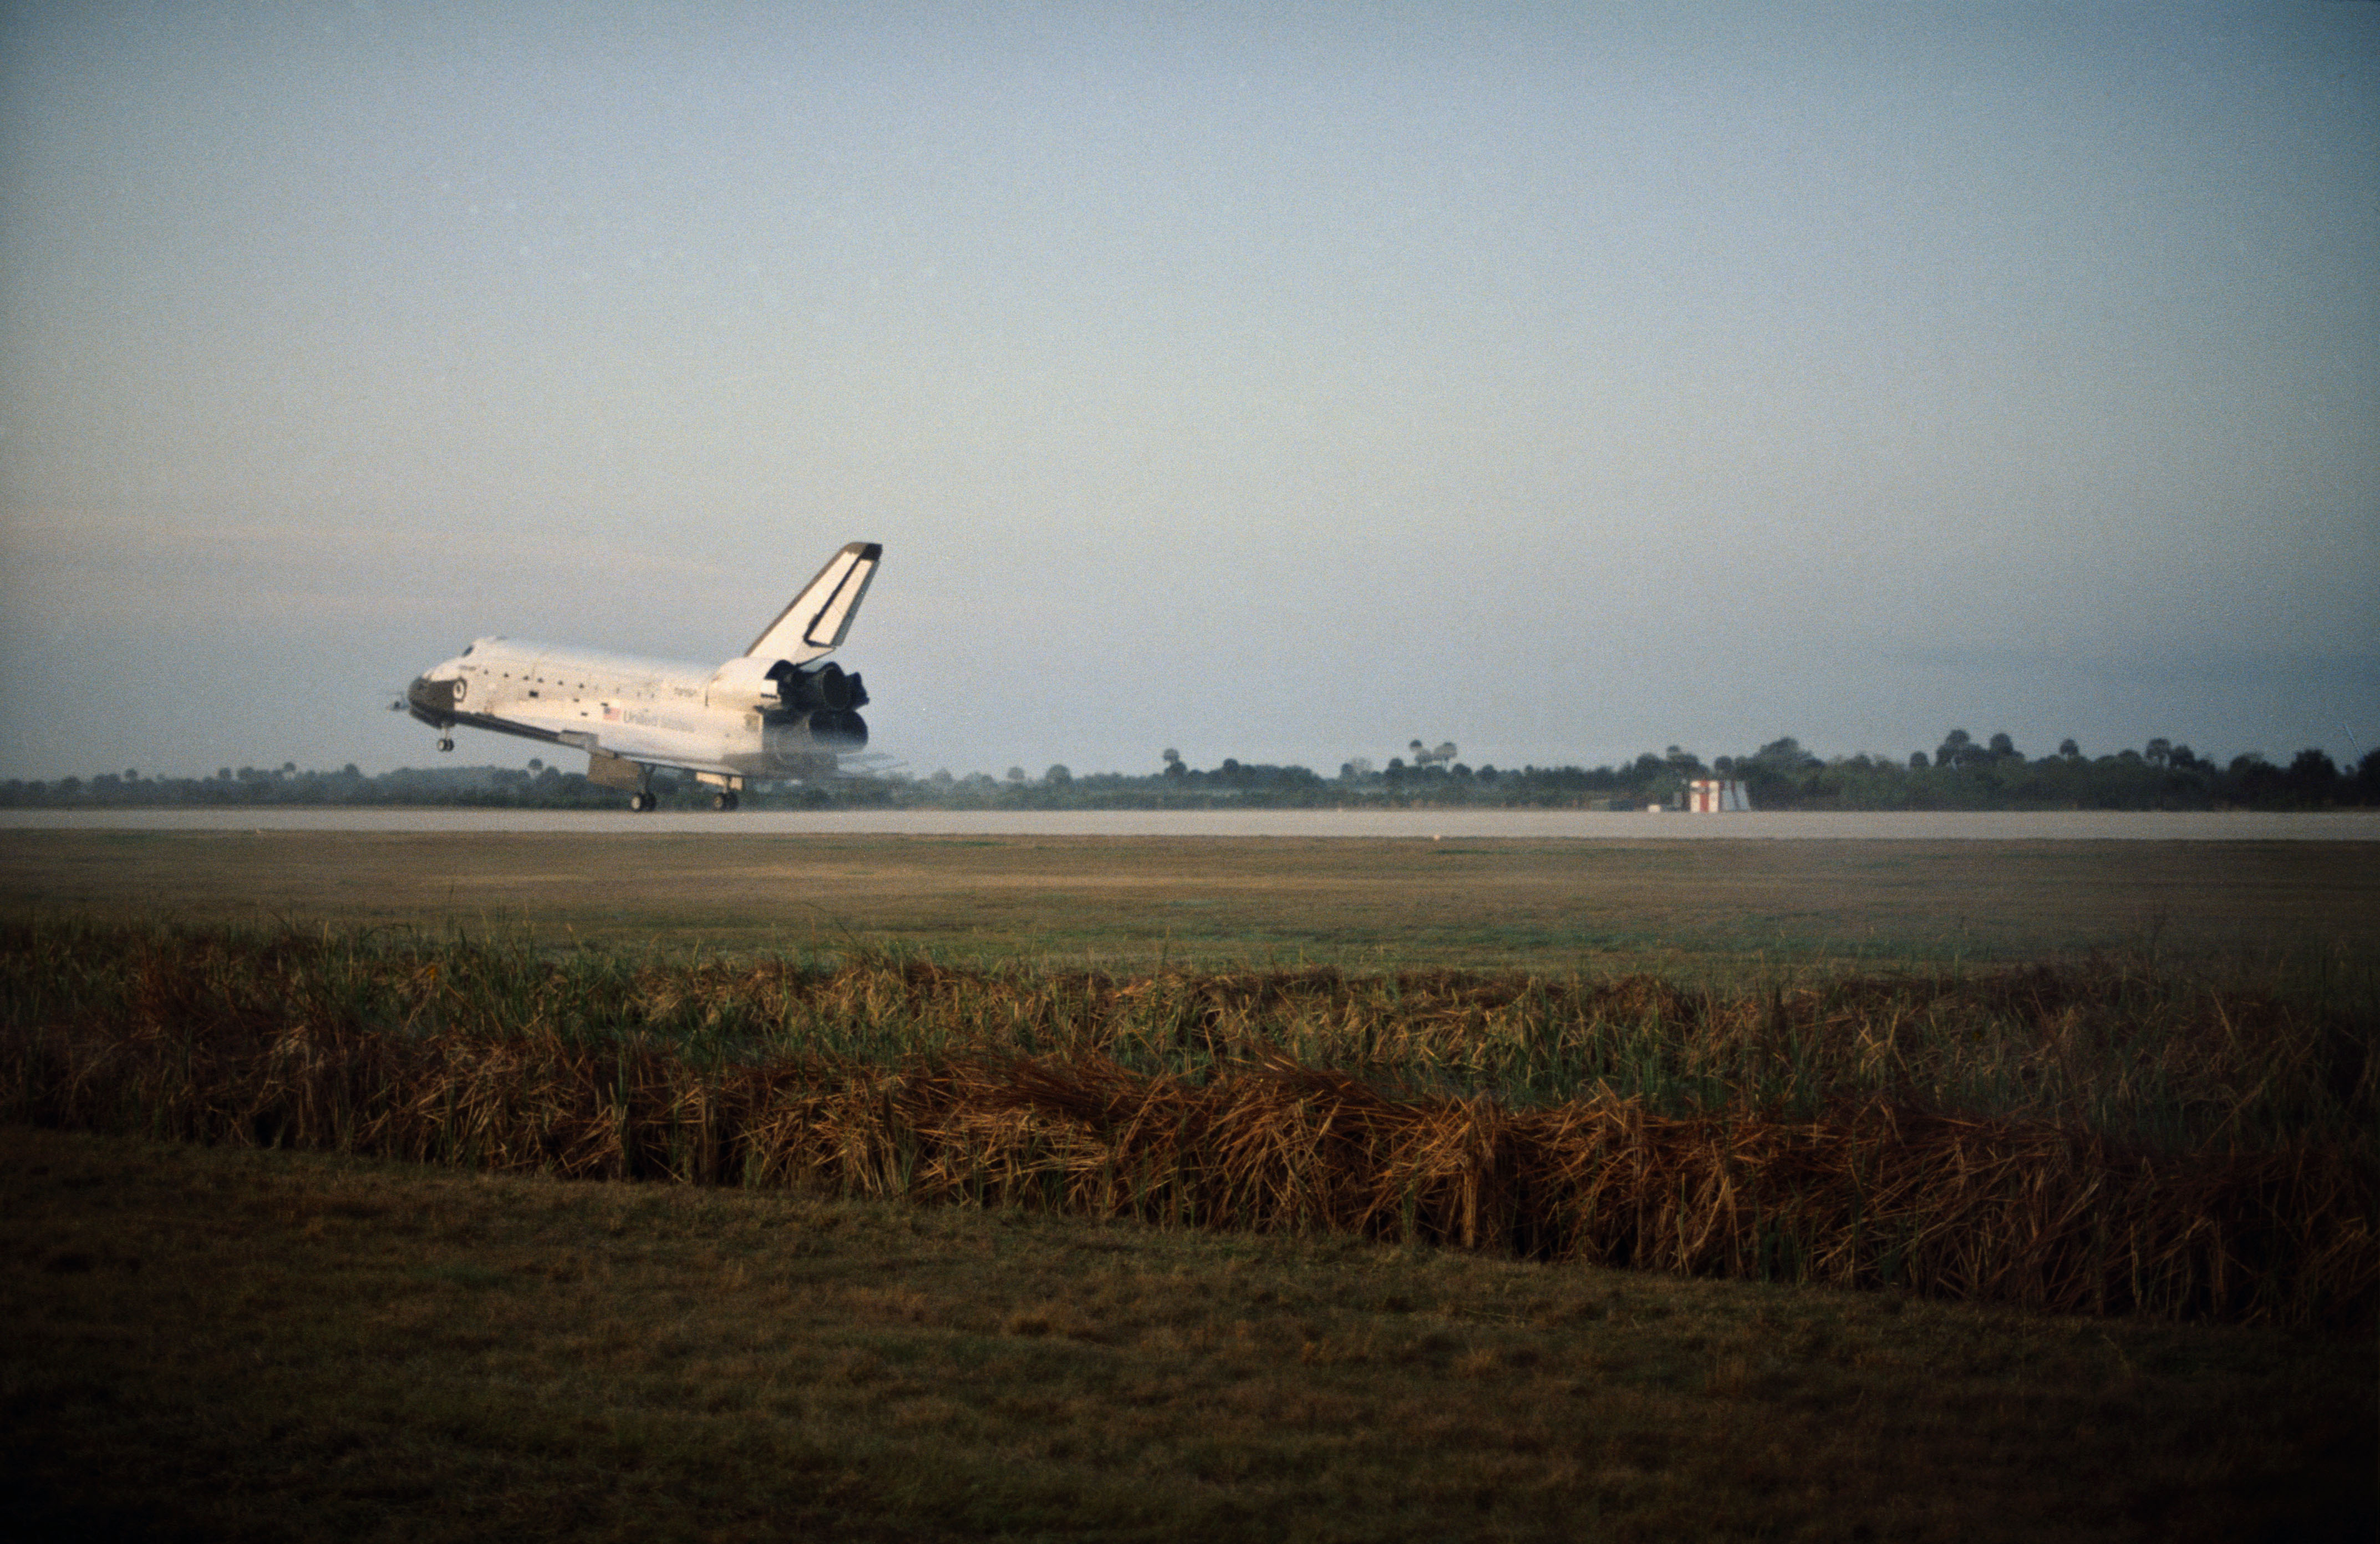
{"x":431,"y":701}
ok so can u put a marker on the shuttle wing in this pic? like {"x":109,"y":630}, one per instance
{"x":651,"y":748}
{"x":820,"y":617}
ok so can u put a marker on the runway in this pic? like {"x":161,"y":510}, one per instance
{"x":2063,"y":825}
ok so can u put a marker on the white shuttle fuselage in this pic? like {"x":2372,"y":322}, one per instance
{"x":779,"y":709}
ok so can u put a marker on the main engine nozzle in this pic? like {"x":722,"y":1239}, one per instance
{"x":800,"y":739}
{"x":754,"y":681}
{"x":829,"y":687}
{"x":825,"y":688}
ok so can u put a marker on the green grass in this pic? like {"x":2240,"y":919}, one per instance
{"x":1717,"y":910}
{"x":203,"y":1342}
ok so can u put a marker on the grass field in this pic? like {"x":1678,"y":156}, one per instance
{"x":211,"y":1344}
{"x":216,"y":1341}
{"x":1690,"y":906}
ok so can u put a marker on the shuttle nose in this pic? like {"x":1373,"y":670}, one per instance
{"x":431,"y":702}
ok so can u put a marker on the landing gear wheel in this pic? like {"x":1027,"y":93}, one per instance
{"x":640,"y":802}
{"x":446,"y":744}
{"x":725,"y":801}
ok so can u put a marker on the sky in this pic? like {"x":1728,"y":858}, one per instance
{"x":1279,"y":381}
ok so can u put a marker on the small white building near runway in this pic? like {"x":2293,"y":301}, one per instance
{"x":1712,"y":796}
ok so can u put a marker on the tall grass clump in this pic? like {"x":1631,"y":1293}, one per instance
{"x":2103,"y":1137}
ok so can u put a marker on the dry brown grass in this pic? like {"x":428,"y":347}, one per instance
{"x":1800,"y":1141}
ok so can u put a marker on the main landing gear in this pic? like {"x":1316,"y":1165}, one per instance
{"x":644,"y":800}
{"x":445,"y":743}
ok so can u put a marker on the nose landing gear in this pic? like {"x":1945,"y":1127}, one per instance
{"x":446,"y":742}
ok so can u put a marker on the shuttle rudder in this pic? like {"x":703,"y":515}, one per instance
{"x":819,"y":617}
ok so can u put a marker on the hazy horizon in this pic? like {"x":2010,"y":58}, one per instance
{"x":1279,"y":384}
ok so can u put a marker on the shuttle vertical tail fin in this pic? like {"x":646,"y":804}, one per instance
{"x":820,"y":617}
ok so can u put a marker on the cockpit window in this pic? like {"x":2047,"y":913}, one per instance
{"x":466,"y":650}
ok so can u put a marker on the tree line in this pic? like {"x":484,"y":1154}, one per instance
{"x":1961,"y":772}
